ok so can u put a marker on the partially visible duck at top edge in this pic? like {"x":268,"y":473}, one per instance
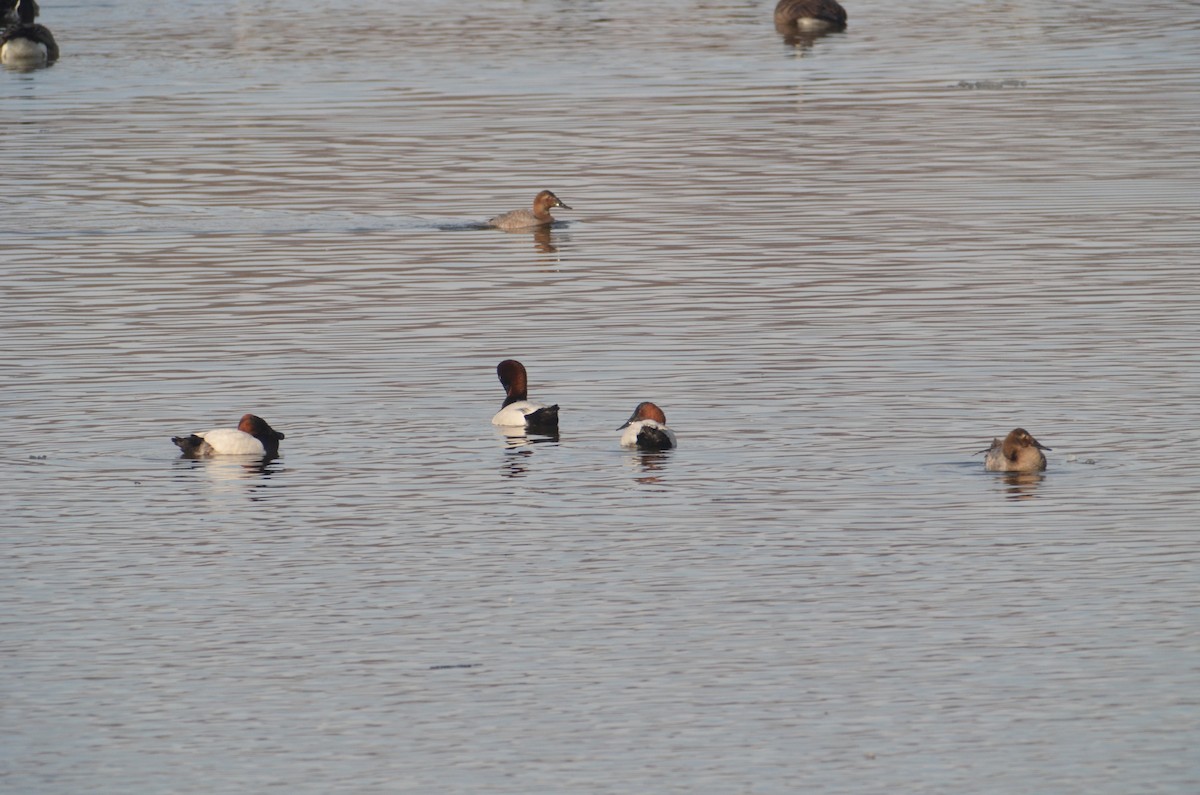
{"x":8,"y":11}
{"x":528,"y":219}
{"x":517,"y":410}
{"x":647,"y":429}
{"x":253,"y":436}
{"x":26,"y":43}
{"x":1017,"y":452}
{"x":809,"y":15}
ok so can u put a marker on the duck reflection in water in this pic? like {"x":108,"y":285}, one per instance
{"x":651,"y":465}
{"x":518,"y":452}
{"x":516,"y":438}
{"x":1021,"y":485}
{"x":543,"y":241}
{"x":230,"y":474}
{"x":516,"y":463}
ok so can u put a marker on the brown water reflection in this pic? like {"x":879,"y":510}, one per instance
{"x":1021,"y":485}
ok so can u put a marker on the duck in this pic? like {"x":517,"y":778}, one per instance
{"x":647,"y":429}
{"x":26,"y":43}
{"x":1017,"y":452}
{"x":517,"y":410}
{"x":529,"y":219}
{"x":809,"y":15}
{"x":253,"y":436}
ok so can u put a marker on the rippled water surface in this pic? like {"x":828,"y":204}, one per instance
{"x":840,"y":265}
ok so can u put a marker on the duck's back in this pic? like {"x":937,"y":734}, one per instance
{"x":28,"y":43}
{"x":1023,"y":459}
{"x":648,"y":435}
{"x":529,"y":414}
{"x":221,"y":441}
{"x":516,"y":219}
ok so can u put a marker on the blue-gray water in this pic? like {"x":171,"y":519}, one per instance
{"x":840,"y":266}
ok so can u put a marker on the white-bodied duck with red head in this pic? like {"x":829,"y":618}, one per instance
{"x":252,"y":436}
{"x":646,"y":429}
{"x":518,"y":410}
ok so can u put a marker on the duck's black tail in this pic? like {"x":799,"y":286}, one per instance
{"x":190,"y":445}
{"x":653,"y":439}
{"x":544,"y":420}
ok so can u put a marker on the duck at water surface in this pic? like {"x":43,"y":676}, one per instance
{"x":809,"y":15}
{"x":647,"y":429}
{"x":517,"y":410}
{"x":530,"y":219}
{"x":253,"y":436}
{"x":26,"y":44}
{"x":1017,"y":452}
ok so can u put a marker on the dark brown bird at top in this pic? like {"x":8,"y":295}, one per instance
{"x":810,"y":16}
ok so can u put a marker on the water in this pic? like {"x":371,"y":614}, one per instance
{"x":840,"y":267}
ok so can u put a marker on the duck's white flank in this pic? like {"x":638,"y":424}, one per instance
{"x":230,"y":441}
{"x":515,"y":413}
{"x":21,"y":50}
{"x":630,"y":437}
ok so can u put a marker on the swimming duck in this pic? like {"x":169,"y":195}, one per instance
{"x":647,"y":429}
{"x":809,"y":15}
{"x":26,"y":43}
{"x":253,"y":436}
{"x":526,"y":219}
{"x":517,"y":409}
{"x":1017,"y":452}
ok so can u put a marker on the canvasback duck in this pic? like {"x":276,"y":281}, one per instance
{"x":26,"y":43}
{"x":1017,"y":452}
{"x":527,"y":219}
{"x":809,"y":15}
{"x":517,"y":410}
{"x":647,"y":429}
{"x":253,"y":436}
